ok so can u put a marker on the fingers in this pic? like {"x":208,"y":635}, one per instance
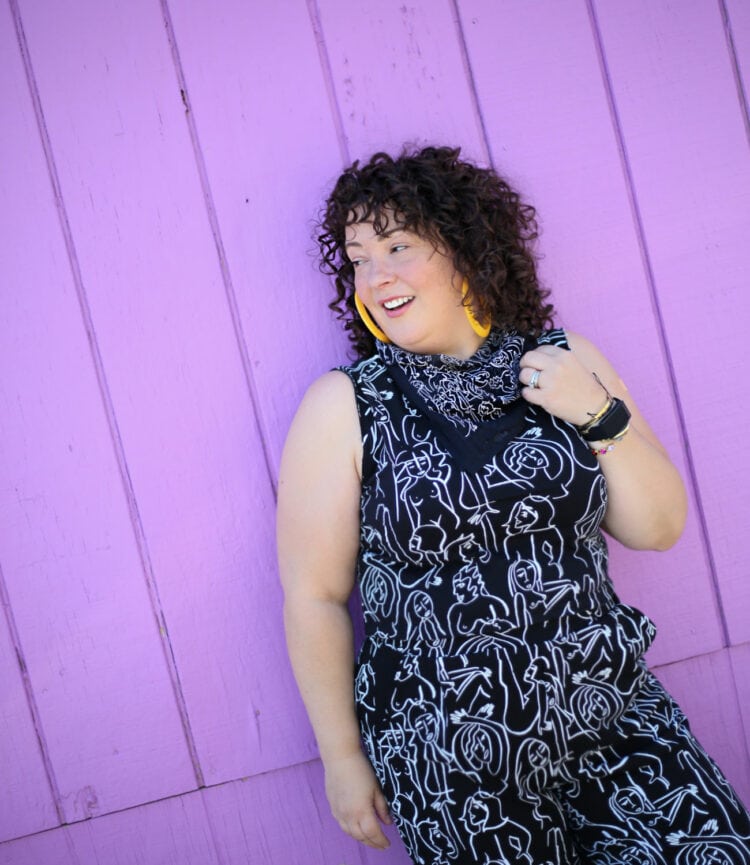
{"x":555,"y":379}
{"x":530,"y":377}
{"x":532,"y":381}
{"x":534,"y":364}
{"x":541,"y":356}
{"x":367,"y":831}
{"x":356,"y":799}
{"x":381,"y":807}
{"x":372,"y":834}
{"x":361,"y":820}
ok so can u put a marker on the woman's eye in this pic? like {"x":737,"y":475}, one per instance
{"x":398,"y":247}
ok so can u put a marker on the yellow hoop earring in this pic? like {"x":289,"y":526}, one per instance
{"x":479,"y":329}
{"x":368,"y":320}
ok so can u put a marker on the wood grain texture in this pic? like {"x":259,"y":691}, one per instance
{"x":540,"y":89}
{"x":171,"y":832}
{"x":399,"y":75}
{"x":738,"y":33}
{"x":73,"y":574}
{"x":26,"y":800}
{"x":676,"y":96}
{"x":704,"y":688}
{"x":740,"y":657}
{"x":275,"y":818}
{"x":147,"y":384}
{"x":181,"y":398}
{"x":46,"y":848}
{"x":268,"y":139}
{"x":283,"y":817}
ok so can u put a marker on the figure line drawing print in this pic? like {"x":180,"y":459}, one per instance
{"x":468,"y":462}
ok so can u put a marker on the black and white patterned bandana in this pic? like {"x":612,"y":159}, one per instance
{"x":470,"y":392}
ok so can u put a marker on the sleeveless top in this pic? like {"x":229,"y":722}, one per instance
{"x":482,"y":546}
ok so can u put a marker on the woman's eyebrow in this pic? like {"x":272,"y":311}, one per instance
{"x":384,"y":235}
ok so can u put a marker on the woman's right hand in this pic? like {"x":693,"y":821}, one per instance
{"x":356,"y":800}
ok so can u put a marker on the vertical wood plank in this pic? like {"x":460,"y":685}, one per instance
{"x":546,"y":86}
{"x":399,"y":75}
{"x":267,"y":137}
{"x":74,"y":578}
{"x":177,"y":385}
{"x":686,"y":144}
{"x":26,"y":800}
{"x":737,"y":25}
{"x":704,"y":688}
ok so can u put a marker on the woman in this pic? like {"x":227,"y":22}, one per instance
{"x":460,"y":472}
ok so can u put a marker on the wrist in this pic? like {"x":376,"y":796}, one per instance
{"x":611,"y":425}
{"x":331,"y":753}
{"x":601,"y":447}
{"x":592,"y":418}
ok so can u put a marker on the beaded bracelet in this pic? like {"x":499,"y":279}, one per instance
{"x":604,"y":450}
{"x":611,"y":442}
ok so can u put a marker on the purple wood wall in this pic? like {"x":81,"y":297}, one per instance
{"x":160,"y":163}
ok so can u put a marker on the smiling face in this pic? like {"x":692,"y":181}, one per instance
{"x":411,"y":290}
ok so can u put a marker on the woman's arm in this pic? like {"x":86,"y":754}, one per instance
{"x":318,"y":540}
{"x":647,"y":504}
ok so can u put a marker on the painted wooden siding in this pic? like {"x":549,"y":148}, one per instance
{"x":161,"y":317}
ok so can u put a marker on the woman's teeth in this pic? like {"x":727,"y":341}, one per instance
{"x":397,"y":302}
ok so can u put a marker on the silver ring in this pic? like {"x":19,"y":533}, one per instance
{"x":534,"y":380}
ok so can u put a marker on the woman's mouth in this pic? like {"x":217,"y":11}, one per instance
{"x":395,"y":304}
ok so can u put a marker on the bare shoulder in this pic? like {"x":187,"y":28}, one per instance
{"x":331,"y":391}
{"x":319,"y":491}
{"x":326,"y":425}
{"x":328,"y":404}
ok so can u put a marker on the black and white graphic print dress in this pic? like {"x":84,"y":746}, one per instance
{"x":501,"y":692}
{"x":495,"y":645}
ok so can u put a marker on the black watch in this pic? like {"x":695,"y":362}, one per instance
{"x":612,"y":422}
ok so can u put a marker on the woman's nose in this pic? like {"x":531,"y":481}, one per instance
{"x":378,"y":274}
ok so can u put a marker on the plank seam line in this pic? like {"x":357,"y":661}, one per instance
{"x":658,"y":313}
{"x":744,"y":717}
{"x":36,"y":718}
{"x":735,"y":689}
{"x":734,"y":60}
{"x":106,"y":397}
{"x":10,"y":618}
{"x":173,"y":796}
{"x":213,"y":220}
{"x":740,"y":705}
{"x":212,"y":829}
{"x":699,"y":655}
{"x":325,"y":63}
{"x":469,"y":71}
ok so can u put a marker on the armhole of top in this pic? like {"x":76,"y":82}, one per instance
{"x":367,"y":461}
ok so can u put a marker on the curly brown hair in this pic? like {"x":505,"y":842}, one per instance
{"x":470,"y":210}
